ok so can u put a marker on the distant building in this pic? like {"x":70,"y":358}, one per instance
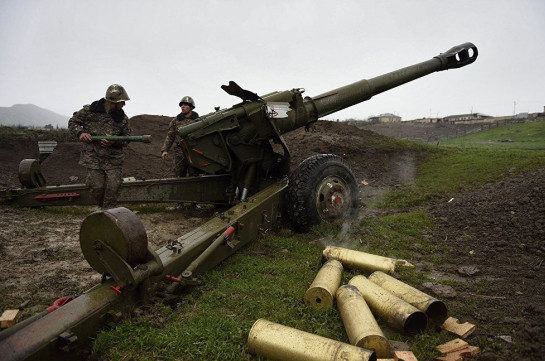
{"x":536,"y":115}
{"x":465,"y":118}
{"x":385,"y":118}
{"x":427,"y":120}
{"x":469,"y":118}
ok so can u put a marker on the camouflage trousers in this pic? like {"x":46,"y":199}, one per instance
{"x":104,"y":186}
{"x":179,"y":165}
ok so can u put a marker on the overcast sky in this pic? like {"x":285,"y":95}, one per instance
{"x":62,"y":54}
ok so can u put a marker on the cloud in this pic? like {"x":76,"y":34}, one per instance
{"x":61,"y":55}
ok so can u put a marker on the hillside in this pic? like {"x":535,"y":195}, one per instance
{"x":424,"y":132}
{"x":30,"y":115}
{"x":434,"y":132}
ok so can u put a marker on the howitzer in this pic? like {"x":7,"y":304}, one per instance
{"x":237,"y":145}
{"x":233,"y":148}
{"x":126,"y":138}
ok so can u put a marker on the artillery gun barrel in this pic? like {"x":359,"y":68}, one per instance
{"x":126,"y":138}
{"x":360,"y":91}
{"x":313,"y":108}
{"x":235,"y":138}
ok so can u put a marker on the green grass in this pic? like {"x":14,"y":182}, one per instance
{"x":444,"y":172}
{"x":398,"y":235}
{"x":213,"y":323}
{"x":268,"y":278}
{"x":7,"y":133}
{"x":528,"y":136}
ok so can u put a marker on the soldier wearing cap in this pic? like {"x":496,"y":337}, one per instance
{"x":103,"y":159}
{"x":187,"y":116}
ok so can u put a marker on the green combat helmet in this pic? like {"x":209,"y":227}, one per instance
{"x":116,"y":94}
{"x":187,"y":100}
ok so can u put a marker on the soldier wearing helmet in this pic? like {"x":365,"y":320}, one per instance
{"x":103,"y":159}
{"x":187,"y":116}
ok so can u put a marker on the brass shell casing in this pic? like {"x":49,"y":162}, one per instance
{"x":396,"y":312}
{"x":360,"y":260}
{"x":432,"y":307}
{"x":360,"y":324}
{"x":321,"y":292}
{"x":277,"y":342}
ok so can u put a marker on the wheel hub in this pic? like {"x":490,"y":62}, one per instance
{"x":332,"y":198}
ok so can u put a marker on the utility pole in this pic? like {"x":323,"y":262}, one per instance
{"x":514,"y":107}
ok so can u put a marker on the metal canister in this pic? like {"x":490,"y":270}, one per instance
{"x":281,"y":343}
{"x":360,"y":260}
{"x":396,"y":312}
{"x":435,"y":310}
{"x":321,"y":292}
{"x":360,"y":324}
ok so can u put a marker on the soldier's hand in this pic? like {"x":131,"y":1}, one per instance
{"x":106,"y":143}
{"x":85,"y":137}
{"x":164,"y":155}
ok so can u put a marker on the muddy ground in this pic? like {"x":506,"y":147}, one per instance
{"x":495,"y":235}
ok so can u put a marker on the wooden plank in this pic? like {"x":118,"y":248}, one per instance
{"x":404,"y":356}
{"x":461,"y":329}
{"x":452,"y":345}
{"x":450,"y":357}
{"x":9,"y":318}
{"x":459,"y":355}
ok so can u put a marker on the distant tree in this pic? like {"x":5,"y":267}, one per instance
{"x":49,"y":127}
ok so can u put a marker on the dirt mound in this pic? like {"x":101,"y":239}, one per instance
{"x":359,"y":148}
{"x":498,"y":231}
{"x":12,"y":151}
{"x":143,"y":160}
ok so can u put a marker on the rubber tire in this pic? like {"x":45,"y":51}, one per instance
{"x":301,"y":207}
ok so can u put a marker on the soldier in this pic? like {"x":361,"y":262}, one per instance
{"x":187,"y":116}
{"x":103,"y":159}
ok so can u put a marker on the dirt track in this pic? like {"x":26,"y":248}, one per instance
{"x":499,"y":230}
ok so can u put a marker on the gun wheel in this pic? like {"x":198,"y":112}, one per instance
{"x":120,"y":229}
{"x":323,"y":189}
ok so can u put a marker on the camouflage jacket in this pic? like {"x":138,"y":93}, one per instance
{"x":172,"y":136}
{"x":94,"y":120}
